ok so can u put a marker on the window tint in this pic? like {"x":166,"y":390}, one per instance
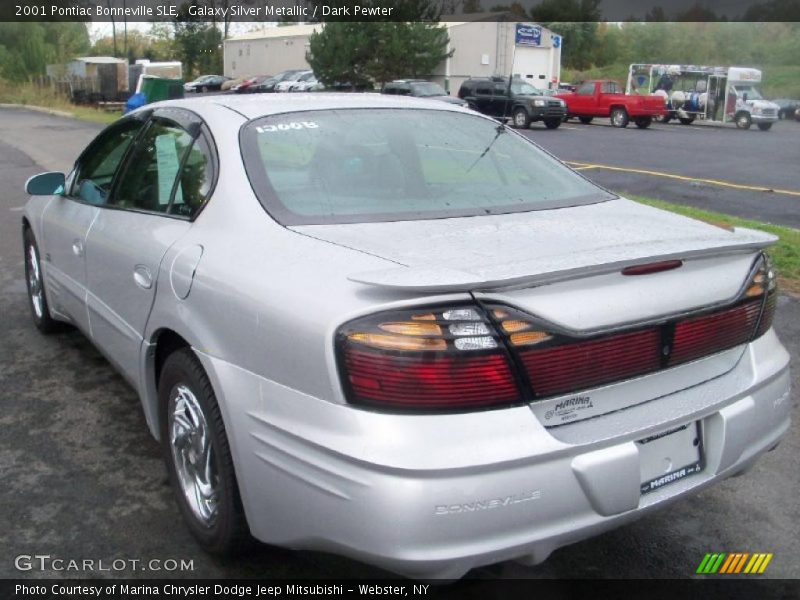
{"x":484,"y":90}
{"x":149,"y":181}
{"x":382,"y":164}
{"x":587,"y":89}
{"x":95,"y":171}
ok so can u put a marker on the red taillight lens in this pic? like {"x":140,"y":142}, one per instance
{"x":700,"y":336}
{"x":581,"y":365}
{"x":446,"y":358}
{"x":442,"y":382}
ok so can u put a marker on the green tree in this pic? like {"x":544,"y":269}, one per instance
{"x":377,"y":51}
{"x":198,"y":43}
{"x":27,"y":48}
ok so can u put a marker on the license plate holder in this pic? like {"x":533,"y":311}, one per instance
{"x":670,"y":456}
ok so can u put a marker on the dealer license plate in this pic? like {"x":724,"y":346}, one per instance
{"x":670,"y":456}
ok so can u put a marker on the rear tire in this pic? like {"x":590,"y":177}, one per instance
{"x":686,"y":120}
{"x":552,"y":123}
{"x":520,"y":118}
{"x":743,"y":121}
{"x":619,"y":117}
{"x":643,"y":122}
{"x":37,"y":296}
{"x":764,"y":126}
{"x":198,"y":456}
{"x":585,"y":120}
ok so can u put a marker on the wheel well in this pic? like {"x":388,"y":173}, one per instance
{"x":166,"y":342}
{"x":616,"y":106}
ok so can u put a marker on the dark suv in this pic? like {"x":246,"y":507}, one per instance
{"x":521,"y":102}
{"x":420,"y":88}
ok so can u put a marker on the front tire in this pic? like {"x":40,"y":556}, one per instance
{"x":764,"y":126}
{"x":686,"y":120}
{"x":743,"y":121}
{"x":37,"y":297}
{"x":643,"y":122}
{"x":520,"y":118}
{"x":619,"y":117}
{"x":552,"y":123}
{"x":198,"y":456}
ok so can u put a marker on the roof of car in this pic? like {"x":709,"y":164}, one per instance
{"x":258,"y":105}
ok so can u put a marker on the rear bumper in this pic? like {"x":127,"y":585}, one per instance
{"x":434,"y":496}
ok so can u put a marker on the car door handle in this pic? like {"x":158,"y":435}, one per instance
{"x":77,"y":247}
{"x":142,"y":277}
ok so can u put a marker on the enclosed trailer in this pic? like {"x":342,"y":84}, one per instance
{"x":714,"y":94}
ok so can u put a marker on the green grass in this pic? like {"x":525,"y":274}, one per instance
{"x":28,"y":94}
{"x":785,"y":254}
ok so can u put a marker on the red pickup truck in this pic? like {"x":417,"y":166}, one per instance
{"x":604,"y":98}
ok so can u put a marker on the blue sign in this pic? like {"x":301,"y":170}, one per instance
{"x":528,"y":35}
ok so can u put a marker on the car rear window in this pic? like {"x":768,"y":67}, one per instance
{"x":367,"y":165}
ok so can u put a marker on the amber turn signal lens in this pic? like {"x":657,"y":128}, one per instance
{"x":411,"y":328}
{"x":754,"y":290}
{"x":529,"y":338}
{"x":513,"y":326}
{"x":397,"y":342}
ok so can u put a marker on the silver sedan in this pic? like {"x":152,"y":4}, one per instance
{"x":397,"y":330}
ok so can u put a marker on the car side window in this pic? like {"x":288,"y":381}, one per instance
{"x":610,"y":87}
{"x":168,"y":172}
{"x":500,"y":89}
{"x":95,"y":170}
{"x":587,"y":89}
{"x":484,"y":91}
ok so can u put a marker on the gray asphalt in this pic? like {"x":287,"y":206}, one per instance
{"x":80,"y":478}
{"x":752,"y":158}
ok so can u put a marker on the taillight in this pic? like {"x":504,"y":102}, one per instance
{"x":484,"y":356}
{"x":557,"y":362}
{"x":444,"y":358}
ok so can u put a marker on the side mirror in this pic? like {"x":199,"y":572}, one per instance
{"x":45,"y":184}
{"x":744,"y":97}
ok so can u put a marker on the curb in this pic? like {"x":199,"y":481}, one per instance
{"x":42,"y":109}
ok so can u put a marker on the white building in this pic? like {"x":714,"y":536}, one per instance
{"x":483,"y":46}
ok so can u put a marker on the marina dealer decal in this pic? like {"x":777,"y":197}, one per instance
{"x":568,"y":409}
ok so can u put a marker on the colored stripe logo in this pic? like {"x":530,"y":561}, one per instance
{"x":732,"y":563}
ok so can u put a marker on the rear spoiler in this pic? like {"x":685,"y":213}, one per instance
{"x":551,"y":269}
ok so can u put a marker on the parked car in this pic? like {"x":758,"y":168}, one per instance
{"x":404,"y":333}
{"x":290,"y":82}
{"x":519,"y":101}
{"x":420,"y":88}
{"x":797,"y":115}
{"x":605,"y":98}
{"x":311,"y":84}
{"x":787,"y":107}
{"x":250,"y":84}
{"x":268,"y":85}
{"x":206,"y":83}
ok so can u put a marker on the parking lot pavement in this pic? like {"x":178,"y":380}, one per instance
{"x":81,"y":478}
{"x":752,"y":159}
